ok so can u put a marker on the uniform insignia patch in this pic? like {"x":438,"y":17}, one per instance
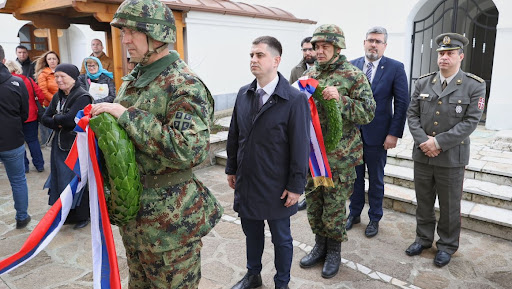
{"x":481,"y":103}
{"x":424,"y":95}
{"x":182,"y":121}
{"x":458,"y":109}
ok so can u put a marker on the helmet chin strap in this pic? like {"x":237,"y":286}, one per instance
{"x":151,"y":50}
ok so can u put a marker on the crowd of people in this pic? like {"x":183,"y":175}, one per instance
{"x":167,"y":110}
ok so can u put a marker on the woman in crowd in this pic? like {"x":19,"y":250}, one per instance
{"x":59,"y":116}
{"x":97,"y":81}
{"x":44,"y":75}
{"x":30,"y":127}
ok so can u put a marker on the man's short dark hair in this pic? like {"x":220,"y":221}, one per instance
{"x":21,"y":47}
{"x":272,"y":43}
{"x":305,"y":40}
{"x":2,"y":53}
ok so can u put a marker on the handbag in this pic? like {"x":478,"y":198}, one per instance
{"x":40,"y":108}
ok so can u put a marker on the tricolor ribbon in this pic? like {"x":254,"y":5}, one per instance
{"x":318,"y":163}
{"x":83,"y":160}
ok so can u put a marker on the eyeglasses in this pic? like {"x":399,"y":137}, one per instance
{"x":376,"y":41}
{"x":307,"y":49}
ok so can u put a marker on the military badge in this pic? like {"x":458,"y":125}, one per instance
{"x":481,"y":103}
{"x":446,"y":40}
{"x":458,"y":109}
{"x":424,"y":95}
{"x":182,"y":121}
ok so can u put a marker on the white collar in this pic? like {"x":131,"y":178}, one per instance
{"x":270,"y":87}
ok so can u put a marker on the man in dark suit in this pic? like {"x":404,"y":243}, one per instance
{"x":390,"y":91}
{"x":445,"y":109}
{"x":268,"y":148}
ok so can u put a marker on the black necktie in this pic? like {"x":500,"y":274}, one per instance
{"x":443,"y":86}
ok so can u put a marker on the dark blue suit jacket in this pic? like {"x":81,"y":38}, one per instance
{"x":389,"y":88}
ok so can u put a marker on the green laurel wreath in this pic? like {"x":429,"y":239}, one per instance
{"x":334,"y":120}
{"x":123,"y":188}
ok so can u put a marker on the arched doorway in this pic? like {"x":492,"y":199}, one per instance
{"x":34,"y":44}
{"x":476,"y":20}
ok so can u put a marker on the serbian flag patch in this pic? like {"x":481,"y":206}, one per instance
{"x":481,"y":103}
{"x":318,"y":163}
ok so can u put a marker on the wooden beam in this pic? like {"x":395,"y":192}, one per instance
{"x":45,"y":20}
{"x":180,"y":25}
{"x":102,"y":12}
{"x":53,"y":40}
{"x":35,"y":6}
{"x":117,"y":56}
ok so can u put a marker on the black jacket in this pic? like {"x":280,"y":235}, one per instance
{"x":77,"y":99}
{"x":268,"y":150}
{"x":13,"y":109}
{"x":103,"y":79}
{"x":28,"y":67}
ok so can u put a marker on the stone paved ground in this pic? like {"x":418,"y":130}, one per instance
{"x":482,"y":261}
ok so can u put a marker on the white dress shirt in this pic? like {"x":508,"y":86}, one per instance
{"x":375,"y":66}
{"x":269,"y":88}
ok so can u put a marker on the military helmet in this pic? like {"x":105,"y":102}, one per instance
{"x":150,"y":17}
{"x":329,"y":33}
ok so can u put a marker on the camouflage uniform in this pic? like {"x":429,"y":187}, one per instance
{"x":326,"y":206}
{"x":168,"y":118}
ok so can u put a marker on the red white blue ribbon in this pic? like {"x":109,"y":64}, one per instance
{"x":318,"y":163}
{"x":83,"y":160}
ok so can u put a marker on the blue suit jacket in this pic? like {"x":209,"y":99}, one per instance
{"x":389,"y":88}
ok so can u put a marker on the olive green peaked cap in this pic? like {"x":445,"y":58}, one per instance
{"x":451,"y":41}
{"x":150,"y":17}
{"x":329,"y":33}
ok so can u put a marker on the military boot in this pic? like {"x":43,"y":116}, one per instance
{"x":332,"y":259}
{"x":316,"y":255}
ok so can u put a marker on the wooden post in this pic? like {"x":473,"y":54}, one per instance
{"x":53,"y":40}
{"x":117,"y":55}
{"x":179,"y":45}
{"x":109,"y":48}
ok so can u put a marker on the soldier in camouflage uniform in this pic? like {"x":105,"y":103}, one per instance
{"x":166,"y":110}
{"x":349,"y":87}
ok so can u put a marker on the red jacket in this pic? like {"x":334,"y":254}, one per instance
{"x":32,"y":87}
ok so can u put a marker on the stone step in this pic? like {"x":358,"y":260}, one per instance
{"x":478,"y":217}
{"x":478,"y":191}
{"x":490,"y":171}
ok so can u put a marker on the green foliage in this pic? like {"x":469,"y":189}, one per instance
{"x":122,"y":179}
{"x":334,"y":120}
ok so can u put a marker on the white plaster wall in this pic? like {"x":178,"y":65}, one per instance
{"x":9,"y":34}
{"x":218,"y":47}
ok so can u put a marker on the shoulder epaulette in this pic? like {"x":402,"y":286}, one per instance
{"x":477,"y":78}
{"x":428,"y":74}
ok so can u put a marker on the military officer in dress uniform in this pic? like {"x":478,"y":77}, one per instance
{"x":445,"y":109}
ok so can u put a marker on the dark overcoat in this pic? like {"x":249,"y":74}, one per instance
{"x":268,"y":150}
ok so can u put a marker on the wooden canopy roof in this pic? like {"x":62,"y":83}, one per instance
{"x":98,"y":13}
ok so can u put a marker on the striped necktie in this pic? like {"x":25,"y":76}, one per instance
{"x":369,"y":71}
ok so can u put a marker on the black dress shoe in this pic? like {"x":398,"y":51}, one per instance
{"x":40,"y":170}
{"x":302,"y":205}
{"x":248,"y":281}
{"x":415,"y":249}
{"x":372,"y":229}
{"x":351,"y":221}
{"x":81,"y":224}
{"x":442,"y":258}
{"x":283,"y":287}
{"x":23,"y":223}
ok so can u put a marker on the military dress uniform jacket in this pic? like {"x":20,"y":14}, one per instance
{"x":450,"y":116}
{"x":268,"y":150}
{"x":357,"y":107}
{"x":168,"y":118}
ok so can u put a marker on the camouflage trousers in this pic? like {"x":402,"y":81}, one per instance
{"x":174,"y":269}
{"x":326,"y":208}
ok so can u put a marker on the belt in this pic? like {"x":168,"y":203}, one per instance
{"x":161,"y":181}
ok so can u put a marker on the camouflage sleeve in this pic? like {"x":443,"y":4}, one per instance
{"x":180,"y":139}
{"x":359,"y":106}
